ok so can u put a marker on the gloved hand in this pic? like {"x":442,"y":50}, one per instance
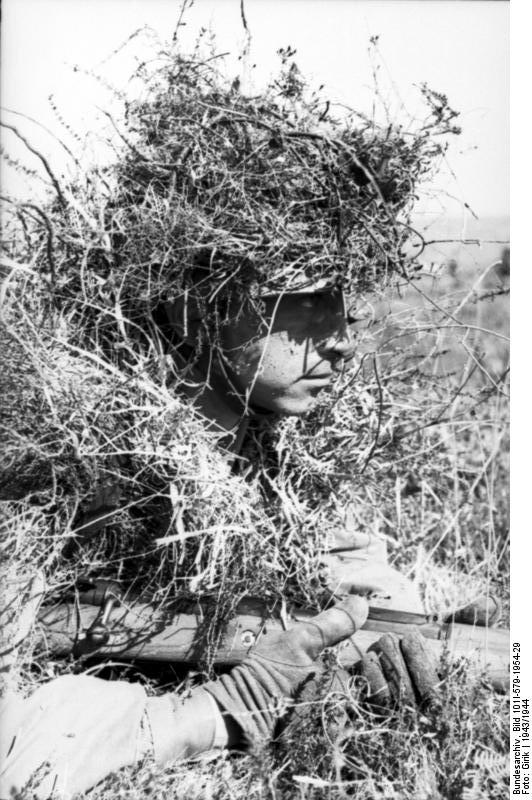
{"x":400,"y":670}
{"x":358,"y":564}
{"x":257,"y":692}
{"x":406,"y":669}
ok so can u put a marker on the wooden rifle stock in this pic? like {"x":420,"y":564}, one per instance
{"x":138,"y":630}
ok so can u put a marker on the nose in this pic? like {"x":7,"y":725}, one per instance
{"x":339,"y":345}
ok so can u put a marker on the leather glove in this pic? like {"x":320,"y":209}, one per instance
{"x":258,"y":692}
{"x":400,"y":670}
{"x":405,"y":670}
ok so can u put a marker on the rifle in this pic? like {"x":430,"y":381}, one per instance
{"x":103,"y":623}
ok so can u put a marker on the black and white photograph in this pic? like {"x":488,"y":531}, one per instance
{"x":254,"y":376}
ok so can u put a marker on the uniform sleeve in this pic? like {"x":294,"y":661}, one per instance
{"x":69,"y":734}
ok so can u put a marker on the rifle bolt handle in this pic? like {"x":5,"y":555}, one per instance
{"x":98,"y":635}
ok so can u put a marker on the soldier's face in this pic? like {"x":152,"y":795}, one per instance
{"x":281,"y":360}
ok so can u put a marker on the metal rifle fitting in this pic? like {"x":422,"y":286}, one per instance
{"x":106,"y":594}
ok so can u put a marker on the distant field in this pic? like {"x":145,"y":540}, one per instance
{"x":468,"y":256}
{"x":459,"y":302}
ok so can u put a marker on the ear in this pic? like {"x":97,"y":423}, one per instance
{"x":184,"y":317}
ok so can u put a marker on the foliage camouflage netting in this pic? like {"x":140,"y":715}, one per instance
{"x":222,"y":194}
{"x":215,"y":196}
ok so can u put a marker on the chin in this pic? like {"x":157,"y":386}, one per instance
{"x":293,"y":407}
{"x":286,"y":404}
{"x":296,"y":412}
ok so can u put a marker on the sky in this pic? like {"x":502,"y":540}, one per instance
{"x":459,"y":48}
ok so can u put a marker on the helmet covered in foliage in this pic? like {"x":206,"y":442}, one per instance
{"x":219,"y":194}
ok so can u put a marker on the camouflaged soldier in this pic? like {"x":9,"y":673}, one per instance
{"x":288,"y":215}
{"x":85,"y":727}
